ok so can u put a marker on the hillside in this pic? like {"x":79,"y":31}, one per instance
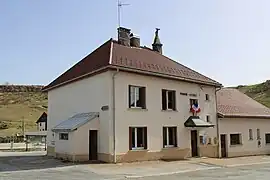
{"x":18,"y":103}
{"x":259,"y":92}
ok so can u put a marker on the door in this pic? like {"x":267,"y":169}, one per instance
{"x":93,"y":144}
{"x":223,"y":145}
{"x":194,"y":143}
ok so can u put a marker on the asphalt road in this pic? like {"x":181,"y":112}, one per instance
{"x":33,"y":166}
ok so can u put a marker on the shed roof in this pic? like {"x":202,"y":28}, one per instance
{"x":142,"y":60}
{"x":233,"y":103}
{"x":75,"y":121}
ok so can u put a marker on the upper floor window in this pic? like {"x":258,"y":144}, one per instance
{"x":207,"y":118}
{"x":207,"y":97}
{"x":267,"y":138}
{"x":250,"y":134}
{"x":258,"y":134}
{"x":137,"y":97}
{"x":168,"y":100}
{"x":193,"y":101}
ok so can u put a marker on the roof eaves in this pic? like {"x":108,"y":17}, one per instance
{"x":246,"y":116}
{"x":164,"y":75}
{"x":45,"y":89}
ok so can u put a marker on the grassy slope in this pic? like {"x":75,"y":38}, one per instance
{"x":259,"y":92}
{"x":15,"y":106}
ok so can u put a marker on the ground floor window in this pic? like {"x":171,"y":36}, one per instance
{"x":267,"y":138}
{"x":235,"y":139}
{"x":169,"y":137}
{"x":63,"y":136}
{"x":137,"y":138}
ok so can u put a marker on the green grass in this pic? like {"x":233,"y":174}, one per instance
{"x":259,"y":92}
{"x":16,"y":106}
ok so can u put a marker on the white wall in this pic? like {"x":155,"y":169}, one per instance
{"x":154,"y":118}
{"x":87,"y":95}
{"x":81,"y":138}
{"x":242,"y":125}
{"x":64,"y":146}
{"x":41,"y":126}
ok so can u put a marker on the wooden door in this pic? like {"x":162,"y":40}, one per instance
{"x":223,"y":145}
{"x":194,"y":143}
{"x":93,"y":139}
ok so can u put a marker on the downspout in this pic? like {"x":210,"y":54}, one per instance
{"x":216,"y":90}
{"x":113,"y":109}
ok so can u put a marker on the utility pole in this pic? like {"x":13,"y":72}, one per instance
{"x":23,"y":126}
{"x":120,"y":4}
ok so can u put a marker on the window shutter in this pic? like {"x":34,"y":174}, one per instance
{"x":129,"y":100}
{"x":174,"y":101}
{"x":142,"y":94}
{"x":175,"y":135}
{"x":164,"y":100}
{"x":145,"y":137}
{"x":130,"y":138}
{"x":164,"y":136}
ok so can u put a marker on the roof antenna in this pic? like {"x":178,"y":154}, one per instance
{"x":120,"y":4}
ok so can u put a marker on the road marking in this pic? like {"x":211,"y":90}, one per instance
{"x":247,"y":164}
{"x":171,"y":173}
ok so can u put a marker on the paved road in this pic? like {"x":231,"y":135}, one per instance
{"x":34,"y":165}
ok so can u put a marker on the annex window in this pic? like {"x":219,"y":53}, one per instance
{"x":250,"y":134}
{"x":267,"y":138}
{"x":207,"y":118}
{"x":258,"y":134}
{"x":169,"y":137}
{"x":235,"y":139}
{"x":137,"y":138}
{"x":168,"y":100}
{"x":63,"y":136}
{"x":207,"y":97}
{"x":137,"y":97}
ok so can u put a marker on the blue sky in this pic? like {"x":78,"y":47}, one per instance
{"x":227,"y":40}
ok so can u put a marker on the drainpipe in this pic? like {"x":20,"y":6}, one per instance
{"x":113,"y":98}
{"x":217,"y":121}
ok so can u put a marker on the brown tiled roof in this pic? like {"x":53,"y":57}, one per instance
{"x":233,"y":103}
{"x":141,"y":60}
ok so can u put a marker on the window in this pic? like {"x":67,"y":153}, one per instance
{"x":267,"y":138}
{"x":207,"y":98}
{"x":137,"y":138}
{"x":258,"y":134}
{"x":209,"y":141}
{"x":63,"y":136}
{"x":169,"y":137}
{"x":193,"y":101}
{"x":168,"y":100}
{"x":201,"y":140}
{"x":137,"y":97}
{"x":235,"y":139}
{"x":207,"y":118}
{"x":40,"y":124}
{"x":250,"y":133}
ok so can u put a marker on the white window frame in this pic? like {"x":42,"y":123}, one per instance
{"x":167,"y":99}
{"x":62,"y":138}
{"x":136,"y":92}
{"x":136,"y":140}
{"x":168,"y":138}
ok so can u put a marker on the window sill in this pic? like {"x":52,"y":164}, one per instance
{"x":173,"y":147}
{"x":136,"y":109}
{"x":236,"y":145}
{"x":169,"y":110}
{"x":138,"y":150}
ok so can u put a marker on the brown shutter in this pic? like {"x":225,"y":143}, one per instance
{"x":145,"y":137}
{"x":130,"y":138}
{"x":164,"y":136}
{"x":164,"y":100}
{"x":175,"y":135}
{"x":174,"y":100}
{"x":129,"y":100}
{"x":142,"y":94}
